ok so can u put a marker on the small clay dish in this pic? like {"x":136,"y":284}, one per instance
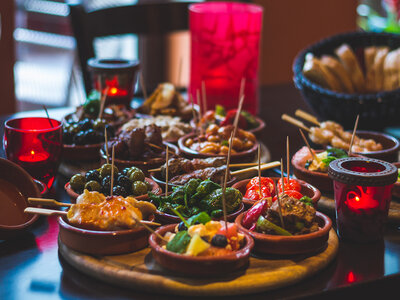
{"x":152,"y":163}
{"x":103,"y":242}
{"x":81,"y":152}
{"x":306,"y":190}
{"x":244,"y":156}
{"x":390,"y":145}
{"x":396,"y":186}
{"x":164,"y":218}
{"x":155,"y":190}
{"x":290,"y":245}
{"x":156,"y":176}
{"x":16,"y":186}
{"x":198,"y":266}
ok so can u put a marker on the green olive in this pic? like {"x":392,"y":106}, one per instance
{"x":131,"y":170}
{"x":77,"y":182}
{"x":136,"y":175}
{"x":99,"y":124}
{"x":93,"y":186}
{"x":106,"y":170}
{"x":149,"y":186}
{"x":139,"y":188}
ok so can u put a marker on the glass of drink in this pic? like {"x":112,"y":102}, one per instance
{"x":225,"y":46}
{"x":35,"y":144}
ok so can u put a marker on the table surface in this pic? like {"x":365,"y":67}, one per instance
{"x":31,"y":267}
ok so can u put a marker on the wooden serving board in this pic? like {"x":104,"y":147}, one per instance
{"x":327,"y":205}
{"x":139,"y":271}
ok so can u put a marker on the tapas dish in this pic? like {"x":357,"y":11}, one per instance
{"x":129,"y":182}
{"x":296,"y":188}
{"x":201,"y":247}
{"x":288,"y":226}
{"x":194,"y":197}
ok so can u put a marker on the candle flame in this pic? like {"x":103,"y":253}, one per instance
{"x":32,"y":152}
{"x":113,"y":90}
{"x":357,"y":198}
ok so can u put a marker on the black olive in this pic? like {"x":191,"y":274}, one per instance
{"x":85,"y":124}
{"x":182,"y":226}
{"x":124,"y":181}
{"x":219,"y":240}
{"x":126,"y":171}
{"x":197,"y":222}
{"x":119,"y":191}
{"x":93,"y":175}
{"x":106,"y":185}
{"x":79,"y":138}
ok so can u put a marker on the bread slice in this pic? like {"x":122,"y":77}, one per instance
{"x":369,"y":58}
{"x":350,"y":63}
{"x":314,"y":70}
{"x":337,"y":69}
{"x":391,"y":66}
{"x":377,"y":67}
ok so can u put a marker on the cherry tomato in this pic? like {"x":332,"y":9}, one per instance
{"x":230,"y":118}
{"x":265,"y":181}
{"x":231,"y":235}
{"x":294,"y":185}
{"x":253,"y":193}
{"x":294,"y":194}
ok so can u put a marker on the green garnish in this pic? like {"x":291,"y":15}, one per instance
{"x":202,"y":218}
{"x":250,"y":119}
{"x":180,"y":242}
{"x":225,"y":143}
{"x":306,"y":200}
{"x":220,"y":110}
{"x":180,"y":217}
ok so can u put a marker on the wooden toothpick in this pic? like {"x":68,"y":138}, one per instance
{"x":315,"y":157}
{"x":179,"y":81}
{"x":106,"y":144}
{"x":353,"y":135}
{"x":204,"y":98}
{"x":112,"y":170}
{"x":103,"y":101}
{"x":282,"y":179}
{"x":239,"y":109}
{"x":259,"y":170}
{"x":225,"y":181}
{"x":242,"y":86}
{"x":166,"y":170}
{"x":279,"y":206}
{"x":200,"y":111}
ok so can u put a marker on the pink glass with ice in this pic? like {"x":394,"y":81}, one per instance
{"x":225,"y":46}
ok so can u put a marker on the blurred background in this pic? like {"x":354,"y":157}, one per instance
{"x":39,"y":64}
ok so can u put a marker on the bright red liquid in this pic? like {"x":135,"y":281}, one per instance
{"x":225,"y":46}
{"x":34,"y":145}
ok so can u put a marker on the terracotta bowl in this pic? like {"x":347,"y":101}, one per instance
{"x":390,"y":144}
{"x":155,"y":189}
{"x":306,"y":189}
{"x":290,"y":245}
{"x":81,"y":152}
{"x":16,"y":186}
{"x":244,"y":156}
{"x":156,"y":176}
{"x":396,"y":186}
{"x":103,"y":242}
{"x":199,"y":265}
{"x":143,"y":165}
{"x":164,"y":218}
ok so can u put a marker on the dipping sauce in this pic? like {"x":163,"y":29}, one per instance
{"x":12,"y":205}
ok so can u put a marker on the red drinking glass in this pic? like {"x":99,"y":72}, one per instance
{"x":35,"y":144}
{"x":362,"y":196}
{"x":225,"y":46}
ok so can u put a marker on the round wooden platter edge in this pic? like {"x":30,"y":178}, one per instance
{"x":139,"y":271}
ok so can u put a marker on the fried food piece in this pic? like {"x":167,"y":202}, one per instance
{"x":391,"y":70}
{"x":350,"y":63}
{"x":90,"y":198}
{"x":337,"y":69}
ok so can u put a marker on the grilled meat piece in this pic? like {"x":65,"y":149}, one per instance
{"x":136,"y":143}
{"x":214,"y":174}
{"x":178,"y":166}
{"x":153,"y":136}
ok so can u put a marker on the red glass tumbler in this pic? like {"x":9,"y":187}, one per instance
{"x":225,"y":47}
{"x":35,"y":144}
{"x":362,"y":190}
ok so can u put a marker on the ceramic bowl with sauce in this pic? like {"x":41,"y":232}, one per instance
{"x":16,"y":185}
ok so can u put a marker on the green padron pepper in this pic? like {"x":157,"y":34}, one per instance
{"x":205,"y":188}
{"x":190,"y":189}
{"x":179,"y":243}
{"x":213,"y":201}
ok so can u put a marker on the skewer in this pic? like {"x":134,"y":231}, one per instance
{"x":282,"y":179}
{"x":239,"y":109}
{"x":51,"y":212}
{"x":142,"y":85}
{"x":194,"y":113}
{"x":306,"y":116}
{"x":263,"y":167}
{"x":166,"y":171}
{"x":230,"y":166}
{"x":178,"y":82}
{"x":279,"y":206}
{"x":315,"y":157}
{"x":112,"y":171}
{"x":204,"y":98}
{"x":295,"y":122}
{"x":159,"y":147}
{"x":201,"y":112}
{"x":353,"y":135}
{"x":48,"y":116}
{"x":228,"y":159}
{"x":106,"y":144}
{"x":145,"y":225}
{"x":102,"y":101}
{"x":50,"y":202}
{"x":242,"y":86}
{"x":259,"y":170}
{"x":287,"y":159}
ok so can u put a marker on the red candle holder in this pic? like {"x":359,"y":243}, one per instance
{"x":115,"y":77}
{"x":362,"y":190}
{"x":35,"y":144}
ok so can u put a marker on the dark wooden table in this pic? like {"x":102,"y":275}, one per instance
{"x":31,"y":268}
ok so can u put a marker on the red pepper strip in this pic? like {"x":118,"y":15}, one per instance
{"x":254,"y":212}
